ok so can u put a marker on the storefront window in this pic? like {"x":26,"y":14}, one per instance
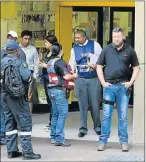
{"x":39,"y":17}
{"x":106,"y":25}
{"x":124,"y":21}
{"x":86,"y":21}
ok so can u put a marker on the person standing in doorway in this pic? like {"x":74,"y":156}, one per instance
{"x":116,"y":58}
{"x":33,"y":61}
{"x":84,"y":55}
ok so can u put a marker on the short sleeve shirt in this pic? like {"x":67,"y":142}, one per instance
{"x":117,"y":63}
{"x":61,"y":68}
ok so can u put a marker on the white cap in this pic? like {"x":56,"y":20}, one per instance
{"x":13,"y":34}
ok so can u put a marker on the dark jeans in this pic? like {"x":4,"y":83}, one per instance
{"x":48,"y":99}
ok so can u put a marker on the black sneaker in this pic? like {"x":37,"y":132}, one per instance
{"x":31,"y":156}
{"x":98,"y":132}
{"x":81,"y":134}
{"x":64,"y":144}
{"x":14,"y":154}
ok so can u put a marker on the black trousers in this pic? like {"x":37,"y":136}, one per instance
{"x":48,"y":99}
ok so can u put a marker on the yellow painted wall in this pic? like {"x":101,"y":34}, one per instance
{"x":8,"y":9}
{"x":8,"y":19}
{"x":66,"y":31}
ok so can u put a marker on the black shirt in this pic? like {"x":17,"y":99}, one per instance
{"x":61,"y":68}
{"x":116,"y":62}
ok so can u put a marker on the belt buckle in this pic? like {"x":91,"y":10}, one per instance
{"x":117,"y":80}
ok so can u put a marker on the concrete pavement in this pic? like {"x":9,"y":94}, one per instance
{"x":80,"y":151}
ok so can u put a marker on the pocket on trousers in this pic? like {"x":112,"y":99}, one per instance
{"x":25,"y":120}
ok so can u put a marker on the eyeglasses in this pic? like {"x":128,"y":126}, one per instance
{"x":118,"y":30}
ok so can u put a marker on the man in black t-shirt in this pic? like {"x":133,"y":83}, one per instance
{"x":58,"y":73}
{"x":116,"y":58}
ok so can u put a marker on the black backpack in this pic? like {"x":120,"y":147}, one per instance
{"x":12,"y":82}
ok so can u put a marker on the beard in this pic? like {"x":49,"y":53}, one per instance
{"x":119,"y":45}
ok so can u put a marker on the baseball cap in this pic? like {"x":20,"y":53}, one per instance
{"x":12,"y":45}
{"x":13,"y":34}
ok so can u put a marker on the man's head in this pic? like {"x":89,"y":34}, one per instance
{"x":12,"y":47}
{"x":12,"y":35}
{"x":80,"y":36}
{"x":118,"y":37}
{"x":26,"y":36}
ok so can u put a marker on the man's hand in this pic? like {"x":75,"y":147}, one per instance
{"x":75,"y":75}
{"x":127,"y":84}
{"x":106,"y":84}
{"x":43,"y":65}
{"x":93,"y":66}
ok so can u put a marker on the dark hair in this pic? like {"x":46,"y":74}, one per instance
{"x":81,"y":31}
{"x":26,"y":33}
{"x":9,"y":36}
{"x":51,"y":39}
{"x":55,"y":49}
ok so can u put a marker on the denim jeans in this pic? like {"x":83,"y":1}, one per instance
{"x":59,"y":113}
{"x":115,"y":93}
{"x":2,"y":125}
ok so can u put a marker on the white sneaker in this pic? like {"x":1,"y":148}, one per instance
{"x":53,"y":141}
{"x":125,"y":147}
{"x":47,"y":128}
{"x":101,"y":147}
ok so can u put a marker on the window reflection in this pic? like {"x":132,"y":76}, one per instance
{"x":86,"y":21}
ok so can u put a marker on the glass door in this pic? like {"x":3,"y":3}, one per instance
{"x":89,"y":19}
{"x":123,"y":18}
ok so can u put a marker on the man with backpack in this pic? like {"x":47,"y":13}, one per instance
{"x":11,"y":35}
{"x":16,"y":76}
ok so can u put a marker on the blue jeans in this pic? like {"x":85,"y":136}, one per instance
{"x":2,"y":125}
{"x":59,"y":113}
{"x":115,"y":93}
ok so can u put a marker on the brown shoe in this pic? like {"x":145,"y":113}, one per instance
{"x":101,"y":147}
{"x":125,"y":147}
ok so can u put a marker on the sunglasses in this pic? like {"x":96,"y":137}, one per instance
{"x":117,"y":30}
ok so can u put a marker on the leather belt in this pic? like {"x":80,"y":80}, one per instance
{"x":115,"y":81}
{"x":57,"y":87}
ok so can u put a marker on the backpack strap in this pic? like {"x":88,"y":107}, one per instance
{"x":54,"y":60}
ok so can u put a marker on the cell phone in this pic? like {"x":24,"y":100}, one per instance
{"x":129,"y":90}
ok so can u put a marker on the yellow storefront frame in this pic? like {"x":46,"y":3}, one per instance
{"x":60,"y":20}
{"x":100,"y":3}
